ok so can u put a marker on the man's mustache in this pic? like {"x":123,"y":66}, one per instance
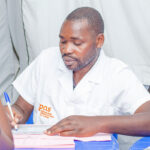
{"x":68,"y":55}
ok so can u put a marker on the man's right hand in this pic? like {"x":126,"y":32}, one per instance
{"x":21,"y":110}
{"x":18,"y":116}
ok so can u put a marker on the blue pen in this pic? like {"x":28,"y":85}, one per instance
{"x":9,"y":107}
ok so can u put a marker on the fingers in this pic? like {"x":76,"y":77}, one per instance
{"x":58,"y":130}
{"x":61,"y":124}
{"x":14,"y":125}
{"x":16,"y":117}
{"x":16,"y":120}
{"x":60,"y":127}
{"x":68,"y":133}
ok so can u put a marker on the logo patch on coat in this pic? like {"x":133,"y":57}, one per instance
{"x":45,"y":111}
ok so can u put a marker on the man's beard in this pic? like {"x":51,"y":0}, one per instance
{"x":80,"y":64}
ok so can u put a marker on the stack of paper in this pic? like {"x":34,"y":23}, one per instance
{"x":31,"y":136}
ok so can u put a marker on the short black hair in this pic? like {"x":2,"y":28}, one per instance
{"x":92,"y":16}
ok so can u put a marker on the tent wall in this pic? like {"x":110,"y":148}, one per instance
{"x":7,"y":57}
{"x":128,"y":29}
{"x":16,"y":27}
{"x":14,"y":54}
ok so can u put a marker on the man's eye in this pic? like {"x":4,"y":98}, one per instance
{"x":77,"y":43}
{"x":62,"y":42}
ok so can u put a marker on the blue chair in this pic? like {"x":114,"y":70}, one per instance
{"x":30,"y":120}
{"x":115,"y":135}
{"x":141,"y":144}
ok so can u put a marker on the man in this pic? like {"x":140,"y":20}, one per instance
{"x":78,"y":90}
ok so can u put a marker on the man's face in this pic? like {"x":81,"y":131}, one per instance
{"x":77,"y":44}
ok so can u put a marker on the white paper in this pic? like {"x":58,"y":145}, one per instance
{"x":31,"y":128}
{"x":32,"y":136}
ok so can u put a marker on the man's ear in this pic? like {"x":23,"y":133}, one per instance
{"x":100,"y":40}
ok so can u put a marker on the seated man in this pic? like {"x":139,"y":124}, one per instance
{"x":6,"y":139}
{"x":80,"y":91}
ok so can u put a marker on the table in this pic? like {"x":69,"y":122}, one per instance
{"x":92,"y":145}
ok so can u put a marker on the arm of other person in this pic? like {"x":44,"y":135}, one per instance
{"x":6,"y":139}
{"x":137,"y":124}
{"x":21,"y":111}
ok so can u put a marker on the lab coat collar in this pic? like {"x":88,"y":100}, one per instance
{"x":95,"y":74}
{"x":87,"y":83}
{"x":65,"y":77}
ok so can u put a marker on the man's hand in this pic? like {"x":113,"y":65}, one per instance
{"x":18,"y":116}
{"x":78,"y":126}
{"x":21,"y":111}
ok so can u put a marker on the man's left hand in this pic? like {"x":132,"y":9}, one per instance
{"x":78,"y":126}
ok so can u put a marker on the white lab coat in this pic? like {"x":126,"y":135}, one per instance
{"x":109,"y":88}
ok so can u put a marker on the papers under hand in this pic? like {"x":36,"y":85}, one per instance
{"x":31,"y":129}
{"x":42,"y":141}
{"x":28,"y":135}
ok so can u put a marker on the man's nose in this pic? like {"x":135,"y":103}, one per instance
{"x":68,"y":48}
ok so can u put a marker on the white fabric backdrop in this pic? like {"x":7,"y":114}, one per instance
{"x":7,"y":57}
{"x":14,"y":53}
{"x":127,"y":28}
{"x":17,"y":31}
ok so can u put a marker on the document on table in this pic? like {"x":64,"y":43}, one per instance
{"x":32,"y":136}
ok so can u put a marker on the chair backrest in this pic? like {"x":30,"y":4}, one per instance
{"x":30,"y":120}
{"x":115,"y":135}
